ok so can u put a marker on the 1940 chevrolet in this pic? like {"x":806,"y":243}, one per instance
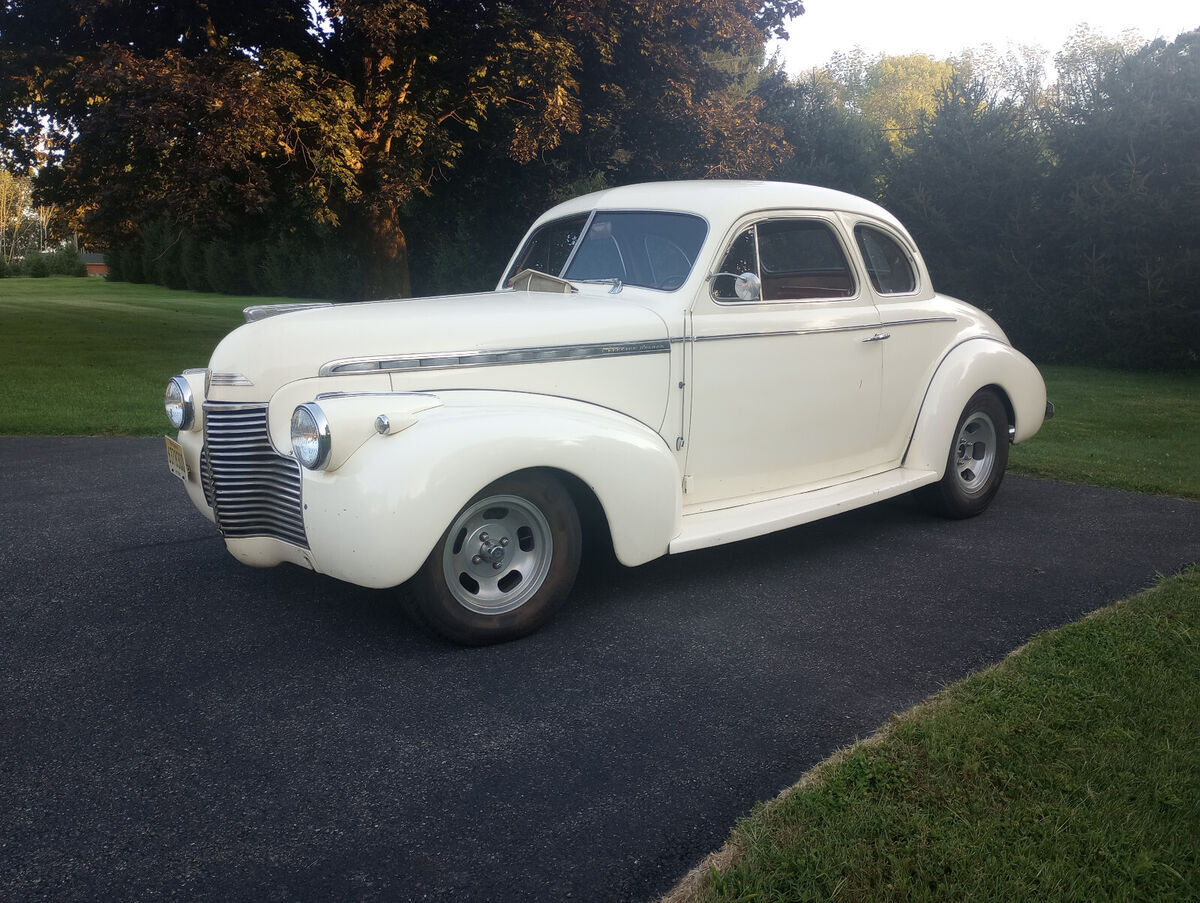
{"x":698,"y":362}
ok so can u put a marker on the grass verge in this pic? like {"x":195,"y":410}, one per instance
{"x":1070,"y":771}
{"x":89,"y":357}
{"x":1135,"y":431}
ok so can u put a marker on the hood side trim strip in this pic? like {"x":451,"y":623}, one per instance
{"x":398,"y":363}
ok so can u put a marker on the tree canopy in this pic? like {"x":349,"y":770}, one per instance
{"x":229,"y":116}
{"x":339,"y":149}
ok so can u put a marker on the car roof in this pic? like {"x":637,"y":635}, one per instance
{"x":721,"y":200}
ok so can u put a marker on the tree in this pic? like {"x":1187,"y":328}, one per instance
{"x":15,"y":198}
{"x":45,"y":216}
{"x":1018,"y":74}
{"x":970,"y":192}
{"x":288,"y":117}
{"x":891,"y":92}
{"x":1125,"y":206}
{"x":1083,"y":64}
{"x":664,"y":90}
{"x":833,"y":144}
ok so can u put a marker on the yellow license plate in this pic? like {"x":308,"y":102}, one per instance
{"x":175,"y":459}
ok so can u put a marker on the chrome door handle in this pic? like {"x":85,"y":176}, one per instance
{"x":879,"y":337}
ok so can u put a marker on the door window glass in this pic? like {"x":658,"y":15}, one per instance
{"x":888,"y":265}
{"x":796,"y":259}
{"x":742,"y":258}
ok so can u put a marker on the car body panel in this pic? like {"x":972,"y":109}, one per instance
{"x":374,"y":521}
{"x":693,"y":418}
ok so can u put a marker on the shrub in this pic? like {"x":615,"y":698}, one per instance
{"x":192,"y":264}
{"x":132,"y":263}
{"x":115,"y":261}
{"x":67,"y":262}
{"x":225,"y":267}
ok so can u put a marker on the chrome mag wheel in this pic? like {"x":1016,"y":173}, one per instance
{"x":497,"y":555}
{"x":974,"y":453}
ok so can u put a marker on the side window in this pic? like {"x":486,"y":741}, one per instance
{"x":549,"y":248}
{"x":888,"y":266}
{"x":796,"y":259}
{"x":742,"y":258}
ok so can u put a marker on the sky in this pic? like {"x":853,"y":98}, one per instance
{"x":941,"y":28}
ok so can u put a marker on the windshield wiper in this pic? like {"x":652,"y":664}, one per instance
{"x":613,"y":281}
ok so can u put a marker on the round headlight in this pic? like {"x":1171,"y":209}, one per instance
{"x":310,"y":436}
{"x":178,"y":402}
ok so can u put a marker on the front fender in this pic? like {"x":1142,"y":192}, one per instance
{"x":376,"y":518}
{"x":969,"y":367}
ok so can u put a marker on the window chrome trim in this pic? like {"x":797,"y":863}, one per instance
{"x":831,"y":221}
{"x":578,"y":243}
{"x":454,"y":360}
{"x":904,"y":246}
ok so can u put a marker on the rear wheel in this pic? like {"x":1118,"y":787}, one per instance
{"x":975,"y":465}
{"x":504,"y":564}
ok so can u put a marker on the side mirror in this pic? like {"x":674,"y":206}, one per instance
{"x":747,"y":286}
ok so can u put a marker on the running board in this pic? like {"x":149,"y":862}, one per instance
{"x":713,"y":528}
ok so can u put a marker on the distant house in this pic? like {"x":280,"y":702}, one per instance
{"x":95,"y":263}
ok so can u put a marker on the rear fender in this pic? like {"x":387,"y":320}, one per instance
{"x":969,"y":367}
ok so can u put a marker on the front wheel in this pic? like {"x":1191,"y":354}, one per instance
{"x":504,"y":564}
{"x":975,"y":465}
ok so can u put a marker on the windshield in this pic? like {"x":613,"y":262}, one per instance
{"x":646,"y":248}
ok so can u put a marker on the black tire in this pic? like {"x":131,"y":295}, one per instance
{"x":504,"y":565}
{"x":976,"y":461}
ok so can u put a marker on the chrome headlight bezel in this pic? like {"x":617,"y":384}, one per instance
{"x":179,"y":405}
{"x":312,"y":441}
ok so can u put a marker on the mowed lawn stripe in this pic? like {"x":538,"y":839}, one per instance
{"x":89,"y":357}
{"x":1122,"y":430}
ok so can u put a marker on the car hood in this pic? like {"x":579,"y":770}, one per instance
{"x":279,"y":349}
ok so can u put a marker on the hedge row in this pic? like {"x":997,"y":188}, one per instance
{"x":289,"y":266}
{"x":63,"y":262}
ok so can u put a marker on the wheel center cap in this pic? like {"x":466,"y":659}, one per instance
{"x":491,"y":550}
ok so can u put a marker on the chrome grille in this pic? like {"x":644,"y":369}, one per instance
{"x":255,"y":491}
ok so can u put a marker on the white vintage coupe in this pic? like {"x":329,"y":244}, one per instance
{"x":691,"y":363}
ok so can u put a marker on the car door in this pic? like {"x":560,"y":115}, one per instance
{"x":919,"y":334}
{"x":784,"y":387}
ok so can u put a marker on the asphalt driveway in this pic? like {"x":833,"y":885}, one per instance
{"x":174,"y":725}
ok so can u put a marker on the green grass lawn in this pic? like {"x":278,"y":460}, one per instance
{"x":1138,"y":431}
{"x":1069,"y":772}
{"x":89,"y":357}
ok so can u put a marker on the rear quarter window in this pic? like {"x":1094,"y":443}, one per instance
{"x":888,"y":265}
